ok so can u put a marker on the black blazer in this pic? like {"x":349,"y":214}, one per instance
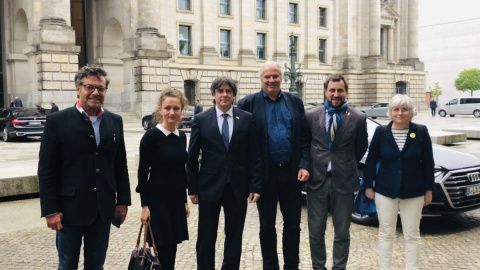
{"x":77,"y":178}
{"x":254,"y":103}
{"x":402,"y":174}
{"x":241,"y":161}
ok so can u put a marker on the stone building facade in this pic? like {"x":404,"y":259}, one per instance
{"x":148,"y":45}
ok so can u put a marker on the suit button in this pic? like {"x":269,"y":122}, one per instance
{"x":91,"y":136}
{"x":97,"y":170}
{"x":94,"y":189}
{"x":96,"y":153}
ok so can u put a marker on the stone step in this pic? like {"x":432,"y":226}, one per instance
{"x":444,"y":137}
{"x":472,"y":133}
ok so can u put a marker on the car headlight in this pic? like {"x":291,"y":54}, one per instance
{"x":437,"y":172}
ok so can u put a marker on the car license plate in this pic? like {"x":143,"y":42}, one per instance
{"x":35,"y":123}
{"x":473,"y":190}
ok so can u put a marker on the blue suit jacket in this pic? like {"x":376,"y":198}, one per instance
{"x":240,"y":162}
{"x":402,"y":174}
{"x":254,"y":103}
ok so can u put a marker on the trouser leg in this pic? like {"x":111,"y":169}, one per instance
{"x":387,"y":210}
{"x":208,"y":214}
{"x":167,"y":255}
{"x":267,"y":212}
{"x":342,"y":208}
{"x":234,"y":212}
{"x":290,"y":199}
{"x":318,"y":205}
{"x":411,"y":214}
{"x":69,"y":241}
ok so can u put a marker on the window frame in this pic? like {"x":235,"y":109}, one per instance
{"x":264,"y":18}
{"x":264,"y":47}
{"x":189,"y":39}
{"x":229,"y":31}
{"x":295,"y":13}
{"x":228,"y":5}
{"x":324,"y":52}
{"x":325,"y":19}
{"x":187,"y":9}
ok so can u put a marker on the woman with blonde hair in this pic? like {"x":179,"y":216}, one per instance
{"x":399,"y":175}
{"x":162,"y":179}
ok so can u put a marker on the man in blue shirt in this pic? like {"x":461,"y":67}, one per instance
{"x":282,"y":133}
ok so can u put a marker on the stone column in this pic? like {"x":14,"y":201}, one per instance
{"x":52,"y":53}
{"x":148,"y":55}
{"x":311,"y":38}
{"x":391,"y":46}
{"x":412,"y":29}
{"x":374,"y":25}
{"x":280,"y":34}
{"x":209,"y":28}
{"x":247,"y":53}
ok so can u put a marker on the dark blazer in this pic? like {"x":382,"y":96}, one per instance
{"x":241,"y":161}
{"x":254,"y":103}
{"x":349,"y":147}
{"x":402,"y":174}
{"x":77,"y":178}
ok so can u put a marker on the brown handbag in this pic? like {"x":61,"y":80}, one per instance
{"x":145,"y":257}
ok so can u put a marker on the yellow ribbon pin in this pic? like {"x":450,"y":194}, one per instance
{"x":412,"y":135}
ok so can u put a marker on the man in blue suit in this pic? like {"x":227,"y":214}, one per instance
{"x":228,"y":176}
{"x":282,"y":133}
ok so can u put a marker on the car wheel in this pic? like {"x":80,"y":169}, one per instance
{"x":476,"y":113}
{"x":442,"y":113}
{"x":368,"y":220}
{"x":6,"y":137}
{"x":452,"y":115}
{"x":145,"y":124}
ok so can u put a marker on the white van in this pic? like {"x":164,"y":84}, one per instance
{"x":461,"y":105}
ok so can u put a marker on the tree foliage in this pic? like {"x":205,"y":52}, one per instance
{"x":436,"y":91}
{"x":468,"y":80}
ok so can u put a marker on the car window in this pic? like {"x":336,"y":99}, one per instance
{"x":453,"y":102}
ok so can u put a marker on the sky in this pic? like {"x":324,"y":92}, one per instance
{"x":443,"y":11}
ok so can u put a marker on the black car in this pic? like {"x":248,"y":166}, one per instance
{"x":185,"y":121}
{"x":457,"y":182}
{"x":21,"y":122}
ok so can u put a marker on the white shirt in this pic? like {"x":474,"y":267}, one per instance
{"x":166,"y":132}
{"x":229,"y":120}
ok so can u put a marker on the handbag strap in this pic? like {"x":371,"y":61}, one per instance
{"x":139,"y":235}
{"x":151,"y":236}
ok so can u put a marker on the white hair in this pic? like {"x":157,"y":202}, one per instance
{"x":271,"y":64}
{"x":400,"y":100}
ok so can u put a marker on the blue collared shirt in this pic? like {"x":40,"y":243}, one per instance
{"x":279,"y":126}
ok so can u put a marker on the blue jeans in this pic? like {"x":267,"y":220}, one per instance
{"x":69,"y":241}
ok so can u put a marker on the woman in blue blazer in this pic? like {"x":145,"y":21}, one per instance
{"x":402,"y":181}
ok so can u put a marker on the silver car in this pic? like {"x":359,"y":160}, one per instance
{"x":377,"y":110}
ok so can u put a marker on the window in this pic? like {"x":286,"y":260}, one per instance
{"x":225,"y":7}
{"x":261,"y":9}
{"x":225,"y":43}
{"x":401,"y":88}
{"x":322,"y":17}
{"x":382,"y":41}
{"x":184,"y":40}
{"x":261,"y":46}
{"x":292,"y":15}
{"x":322,"y":43}
{"x":184,"y":4}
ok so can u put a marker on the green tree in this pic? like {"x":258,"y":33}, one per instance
{"x":436,"y":91}
{"x":468,"y":80}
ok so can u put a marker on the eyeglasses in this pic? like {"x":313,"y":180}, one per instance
{"x":91,"y":88}
{"x":404,"y":110}
{"x":221,"y":91}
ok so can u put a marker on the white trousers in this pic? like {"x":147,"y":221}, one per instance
{"x":410,"y":213}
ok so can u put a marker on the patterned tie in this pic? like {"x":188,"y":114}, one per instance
{"x":225,"y":136}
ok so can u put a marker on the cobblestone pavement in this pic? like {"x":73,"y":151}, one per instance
{"x":450,"y":242}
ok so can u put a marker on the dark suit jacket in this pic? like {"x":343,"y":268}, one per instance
{"x":349,"y":147}
{"x":402,"y":174}
{"x":254,"y":103}
{"x":77,"y":178}
{"x":241,"y":161}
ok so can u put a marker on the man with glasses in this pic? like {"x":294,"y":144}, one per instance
{"x":82,"y":172}
{"x":228,"y":177}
